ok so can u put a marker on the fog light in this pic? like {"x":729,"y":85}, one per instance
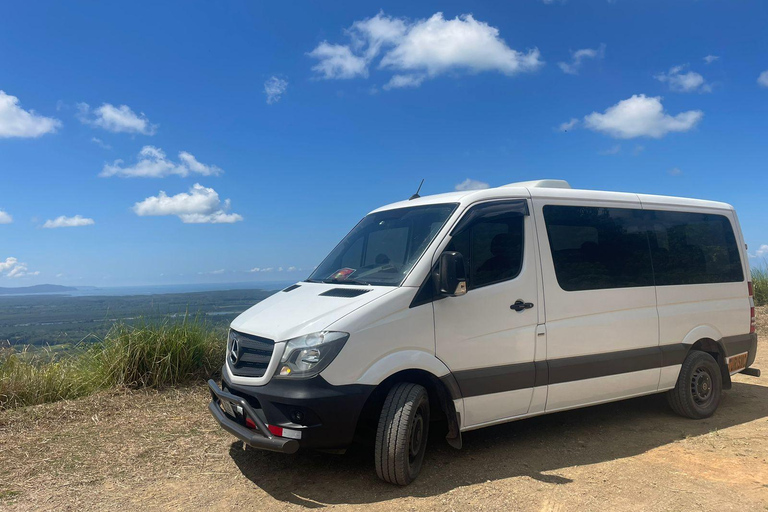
{"x":297,"y":417}
{"x":285,"y":370}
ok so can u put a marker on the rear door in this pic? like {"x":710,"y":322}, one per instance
{"x":487,"y":340}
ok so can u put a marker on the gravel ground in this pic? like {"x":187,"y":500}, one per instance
{"x":162,"y":451}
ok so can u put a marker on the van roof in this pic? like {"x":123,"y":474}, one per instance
{"x":554,"y":189}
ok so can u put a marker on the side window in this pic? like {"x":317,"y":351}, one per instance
{"x":597,"y":248}
{"x":492,"y":248}
{"x":694,"y":248}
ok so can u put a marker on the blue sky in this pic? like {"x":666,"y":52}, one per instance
{"x":365,"y":100}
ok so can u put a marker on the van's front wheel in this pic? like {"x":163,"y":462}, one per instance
{"x":699,"y":387}
{"x":401,"y":437}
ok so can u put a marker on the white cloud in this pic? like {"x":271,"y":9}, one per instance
{"x":613,"y":150}
{"x":100,"y":142}
{"x":200,"y":206}
{"x":641,"y":116}
{"x":400,"y":81}
{"x":14,"y":268}
{"x":153,"y":163}
{"x":638,"y":149}
{"x":5,"y":217}
{"x":470,"y":184}
{"x":338,"y":61}
{"x":568,"y":125}
{"x":68,"y":222}
{"x":261,"y":269}
{"x":684,"y":82}
{"x":709,"y":59}
{"x":274,"y":88}
{"x":420,"y":49}
{"x":116,"y":119}
{"x":17,"y":122}
{"x":763,"y":79}
{"x":675,"y":171}
{"x":579,"y":56}
{"x":292,"y":269}
{"x":761,"y":252}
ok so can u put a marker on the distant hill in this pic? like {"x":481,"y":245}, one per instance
{"x":40,"y":288}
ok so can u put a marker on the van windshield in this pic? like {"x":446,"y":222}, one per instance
{"x":384,"y":246}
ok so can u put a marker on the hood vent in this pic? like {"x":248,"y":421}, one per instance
{"x":292,"y":287}
{"x":344,"y":292}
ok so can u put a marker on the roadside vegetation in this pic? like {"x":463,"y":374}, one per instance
{"x":139,"y":355}
{"x":760,"y":282}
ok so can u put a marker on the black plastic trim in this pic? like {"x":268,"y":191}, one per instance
{"x":347,"y":293}
{"x":291,"y":288}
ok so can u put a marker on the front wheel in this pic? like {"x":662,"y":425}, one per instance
{"x":401,"y":437}
{"x":699,"y":387}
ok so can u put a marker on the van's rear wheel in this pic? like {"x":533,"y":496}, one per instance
{"x":699,"y":387}
{"x":401,"y":438}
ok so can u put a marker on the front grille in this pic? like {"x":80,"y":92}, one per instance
{"x":248,"y":355}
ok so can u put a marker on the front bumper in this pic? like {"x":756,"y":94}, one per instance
{"x":318,"y":414}
{"x":260,"y":437}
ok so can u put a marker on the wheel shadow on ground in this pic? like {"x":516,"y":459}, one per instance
{"x":533,"y":447}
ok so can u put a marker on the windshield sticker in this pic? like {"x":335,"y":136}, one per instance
{"x":342,"y":274}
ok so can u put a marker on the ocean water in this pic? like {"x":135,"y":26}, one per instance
{"x":116,"y":291}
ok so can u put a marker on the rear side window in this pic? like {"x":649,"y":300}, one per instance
{"x":597,"y":248}
{"x":492,"y":247}
{"x":694,"y":248}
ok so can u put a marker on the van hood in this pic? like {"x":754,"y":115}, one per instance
{"x":305,"y":308}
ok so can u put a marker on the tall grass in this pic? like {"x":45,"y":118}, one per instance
{"x":141,"y":355}
{"x":760,"y":282}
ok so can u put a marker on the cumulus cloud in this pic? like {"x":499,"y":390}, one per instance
{"x":116,"y":119}
{"x":17,"y":122}
{"x":200,"y":205}
{"x":13,"y":268}
{"x":261,"y":269}
{"x":153,"y":163}
{"x":274,"y":88}
{"x":709,"y":59}
{"x":762,"y":80}
{"x":684,"y":82}
{"x":68,"y":222}
{"x":100,"y":142}
{"x":641,"y":116}
{"x":761,"y":252}
{"x":470,"y":184}
{"x":421,"y":49}
{"x":568,"y":125}
{"x":5,"y":217}
{"x":579,"y":56}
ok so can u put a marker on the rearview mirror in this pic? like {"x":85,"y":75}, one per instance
{"x":452,"y":278}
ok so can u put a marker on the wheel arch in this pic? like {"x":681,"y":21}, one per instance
{"x":441,"y":398}
{"x":717,"y":351}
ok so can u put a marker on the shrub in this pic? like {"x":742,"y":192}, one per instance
{"x":760,"y":282}
{"x":155,"y":355}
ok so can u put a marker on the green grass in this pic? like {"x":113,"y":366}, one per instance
{"x":140,"y":355}
{"x":760,"y":282}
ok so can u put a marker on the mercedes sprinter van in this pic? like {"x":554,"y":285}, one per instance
{"x":488,"y":306}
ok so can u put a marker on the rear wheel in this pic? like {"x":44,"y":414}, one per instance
{"x":401,"y":437}
{"x":699,"y":386}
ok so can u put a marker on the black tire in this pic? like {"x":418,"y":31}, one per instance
{"x":699,"y":387}
{"x":401,"y":437}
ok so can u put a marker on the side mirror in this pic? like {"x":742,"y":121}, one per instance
{"x":452,"y":280}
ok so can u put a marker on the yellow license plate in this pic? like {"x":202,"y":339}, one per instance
{"x":737,"y":363}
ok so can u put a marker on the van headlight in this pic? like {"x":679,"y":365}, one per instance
{"x":308,"y":355}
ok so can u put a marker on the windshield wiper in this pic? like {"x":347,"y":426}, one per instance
{"x":345,"y":281}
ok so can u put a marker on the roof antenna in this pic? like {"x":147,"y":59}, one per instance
{"x":416,"y":195}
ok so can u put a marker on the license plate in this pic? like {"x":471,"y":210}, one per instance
{"x":227,"y":407}
{"x":737,"y":363}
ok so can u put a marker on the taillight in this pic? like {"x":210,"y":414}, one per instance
{"x":752,"y":317}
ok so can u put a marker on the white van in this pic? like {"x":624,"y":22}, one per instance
{"x":489,"y":306}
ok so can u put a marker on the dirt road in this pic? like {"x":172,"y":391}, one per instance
{"x":140,"y":451}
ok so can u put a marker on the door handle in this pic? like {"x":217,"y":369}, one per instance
{"x":521,"y":306}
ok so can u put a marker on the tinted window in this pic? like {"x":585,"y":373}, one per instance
{"x":492,"y":248}
{"x":694,"y":248}
{"x":595,"y":248}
